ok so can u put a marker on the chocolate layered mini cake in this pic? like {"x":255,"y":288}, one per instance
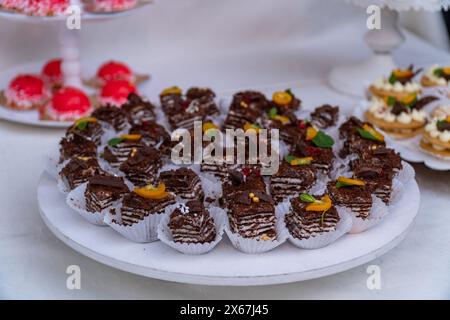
{"x":246,"y":107}
{"x":142,"y":166}
{"x":291,"y":180}
{"x":120,"y":148}
{"x":321,"y":158}
{"x":252,"y":215}
{"x":183,"y":110}
{"x":284,"y":120}
{"x":76,"y":146}
{"x":356,"y":197}
{"x":79,"y":169}
{"x":154,"y":135}
{"x":136,"y":207}
{"x":192,"y":223}
{"x":115,"y":117}
{"x":102,"y":191}
{"x":377,"y":168}
{"x":239,"y":180}
{"x":359,"y":137}
{"x":184,"y":182}
{"x":307,"y":219}
{"x":88,"y":128}
{"x":325,"y":116}
{"x":138,"y":109}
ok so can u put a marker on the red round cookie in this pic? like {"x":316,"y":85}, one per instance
{"x":116,"y":92}
{"x":52,"y":73}
{"x":114,"y":70}
{"x":112,"y":5}
{"x":25,"y":92}
{"x":67,"y":104}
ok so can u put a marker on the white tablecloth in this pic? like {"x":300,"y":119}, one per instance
{"x":225,"y":48}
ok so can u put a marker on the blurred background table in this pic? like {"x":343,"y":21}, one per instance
{"x":226,"y":45}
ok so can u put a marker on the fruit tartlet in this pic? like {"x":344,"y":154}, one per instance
{"x":115,"y":93}
{"x":25,"y":92}
{"x":436,"y":76}
{"x":52,"y":74}
{"x":115,"y":70}
{"x":436,"y":136}
{"x":67,"y":104}
{"x":401,"y":119}
{"x":399,"y":85}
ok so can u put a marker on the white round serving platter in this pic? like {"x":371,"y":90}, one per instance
{"x":408,"y":148}
{"x":224,"y":265}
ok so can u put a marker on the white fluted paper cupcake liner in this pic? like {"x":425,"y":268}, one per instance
{"x":52,"y":165}
{"x":406,"y":174}
{"x":377,"y":213}
{"x":322,"y":240}
{"x":212,"y":186}
{"x":253,"y":246}
{"x":165,"y":235}
{"x":398,"y":189}
{"x":144,"y":231}
{"x":76,"y":200}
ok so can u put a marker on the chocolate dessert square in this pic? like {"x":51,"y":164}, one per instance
{"x":91,"y":130}
{"x":142,"y":166}
{"x":285,"y":121}
{"x":184,"y":182}
{"x":118,"y":150}
{"x":239,"y":180}
{"x":356,"y":198}
{"x":182,"y":111}
{"x":291,"y":181}
{"x":76,"y":146}
{"x":323,"y":158}
{"x":79,"y":169}
{"x":138,"y":109}
{"x":246,"y":107}
{"x":154,"y":135}
{"x":325,"y":116}
{"x":303,"y":224}
{"x":192,"y":223}
{"x":135,"y":207}
{"x":252,"y":215}
{"x":115,"y":117}
{"x":102,"y":191}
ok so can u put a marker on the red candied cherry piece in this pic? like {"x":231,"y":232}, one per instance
{"x":246,"y":171}
{"x":70,"y":100}
{"x":312,"y":151}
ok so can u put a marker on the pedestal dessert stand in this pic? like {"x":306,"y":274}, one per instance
{"x":353,"y":79}
{"x":69,"y":43}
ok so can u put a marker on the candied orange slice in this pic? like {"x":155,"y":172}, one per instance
{"x":311,"y":132}
{"x":151,"y":192}
{"x":446,"y":70}
{"x":282,"y":119}
{"x":375,"y":133}
{"x":132,"y":137}
{"x":323,"y":204}
{"x":403,"y":73}
{"x":282,"y":98}
{"x":249,"y":126}
{"x":447,"y":119}
{"x":301,"y":161}
{"x":171,"y":90}
{"x":351,"y":182}
{"x":409,"y":98}
{"x":208,"y":125}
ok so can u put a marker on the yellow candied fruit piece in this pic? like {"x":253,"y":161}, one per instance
{"x":85,"y":119}
{"x":409,"y":98}
{"x":265,"y":237}
{"x":132,"y":137}
{"x":249,"y":126}
{"x":151,"y":192}
{"x":352,"y":182}
{"x":446,"y":70}
{"x":323,"y":204}
{"x":171,"y":90}
{"x":282,"y":98}
{"x":208,"y":125}
{"x":373,"y":132}
{"x":282,"y":119}
{"x":311,"y":132}
{"x":301,"y":161}
{"x":403,"y":73}
{"x":447,"y":119}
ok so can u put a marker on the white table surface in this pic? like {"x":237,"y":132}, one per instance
{"x":33,"y":262}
